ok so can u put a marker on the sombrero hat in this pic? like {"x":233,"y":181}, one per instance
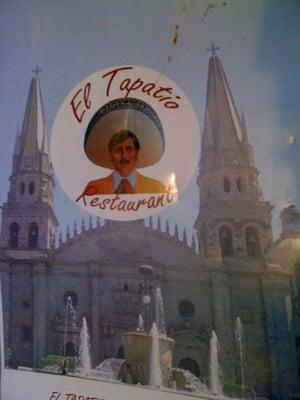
{"x":130,"y":114}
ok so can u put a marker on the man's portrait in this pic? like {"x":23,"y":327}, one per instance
{"x":124,"y":135}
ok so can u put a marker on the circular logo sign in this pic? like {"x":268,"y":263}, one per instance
{"x":125,"y":143}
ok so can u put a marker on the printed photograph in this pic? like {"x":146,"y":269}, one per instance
{"x":201,"y":298}
{"x":117,"y":138}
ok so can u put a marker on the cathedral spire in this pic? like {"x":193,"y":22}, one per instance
{"x":223,"y":128}
{"x":233,"y":214}
{"x":33,"y":129}
{"x":207,"y":140}
{"x":46,"y":166}
{"x":16,"y":154}
{"x":28,"y":219}
{"x":245,"y":139}
{"x":17,"y":143}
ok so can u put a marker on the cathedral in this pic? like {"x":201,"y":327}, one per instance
{"x":238,"y":271}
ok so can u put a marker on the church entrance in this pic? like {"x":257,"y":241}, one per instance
{"x":190,"y":365}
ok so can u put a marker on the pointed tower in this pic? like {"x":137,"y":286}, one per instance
{"x":234,"y":220}
{"x":28,"y":220}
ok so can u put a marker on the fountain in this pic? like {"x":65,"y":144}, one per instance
{"x":140,"y":326}
{"x":70,"y":318}
{"x":155,"y":370}
{"x":84,"y":350}
{"x":159,"y":312}
{"x":215,"y":384}
{"x":239,"y":333}
{"x":146,"y":271}
{"x":148,"y":352}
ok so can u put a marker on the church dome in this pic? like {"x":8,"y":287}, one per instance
{"x":286,"y":251}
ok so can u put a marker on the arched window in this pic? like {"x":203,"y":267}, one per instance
{"x":226,"y":185}
{"x":121,"y":353}
{"x":14,"y":235}
{"x":26,"y":305}
{"x":190,"y":365}
{"x":240,"y":185}
{"x":33,"y":235}
{"x":22,"y":188}
{"x":31,"y":188}
{"x":70,"y":349}
{"x":226,"y":242}
{"x":252,"y":242}
{"x":73,"y":296}
{"x":186,"y":309}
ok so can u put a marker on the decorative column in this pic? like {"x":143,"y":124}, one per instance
{"x":95,"y":283}
{"x":5,"y":287}
{"x":221,"y":311}
{"x":39,"y":316}
{"x":280,"y":334}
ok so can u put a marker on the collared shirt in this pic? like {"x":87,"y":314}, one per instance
{"x":117,"y":179}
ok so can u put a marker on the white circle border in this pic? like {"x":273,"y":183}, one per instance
{"x":181,"y":133}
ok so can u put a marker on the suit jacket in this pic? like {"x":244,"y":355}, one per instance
{"x":105,"y":185}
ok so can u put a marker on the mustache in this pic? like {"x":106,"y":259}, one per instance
{"x":124,"y":161}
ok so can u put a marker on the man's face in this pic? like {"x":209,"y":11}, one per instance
{"x":124,"y":157}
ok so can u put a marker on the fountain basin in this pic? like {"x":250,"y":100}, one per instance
{"x":137,"y":347}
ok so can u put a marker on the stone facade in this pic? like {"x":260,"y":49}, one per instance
{"x":237,"y":272}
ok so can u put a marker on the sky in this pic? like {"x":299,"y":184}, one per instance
{"x":70,"y":39}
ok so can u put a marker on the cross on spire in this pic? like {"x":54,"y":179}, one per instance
{"x":37,"y":70}
{"x":213,"y":49}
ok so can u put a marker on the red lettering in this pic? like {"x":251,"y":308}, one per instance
{"x":154,"y":202}
{"x":55,"y":396}
{"x":130,"y":206}
{"x":165,"y":98}
{"x":94,"y":202}
{"x":170,"y":193}
{"x":141,"y":203}
{"x":90,"y":190}
{"x":74,"y":396}
{"x":171,"y":104}
{"x":113,"y":73}
{"x":160,"y":90}
{"x":86,"y":95}
{"x":75,"y":102}
{"x":129,"y":86}
{"x":104,"y":204}
{"x":160,"y":200}
{"x":134,"y":206}
{"x":124,"y":84}
{"x":151,"y":202}
{"x":75,"y":107}
{"x":112,"y":206}
{"x":121,"y":206}
{"x":83,"y":197}
{"x":136,"y":85}
{"x":148,"y":90}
